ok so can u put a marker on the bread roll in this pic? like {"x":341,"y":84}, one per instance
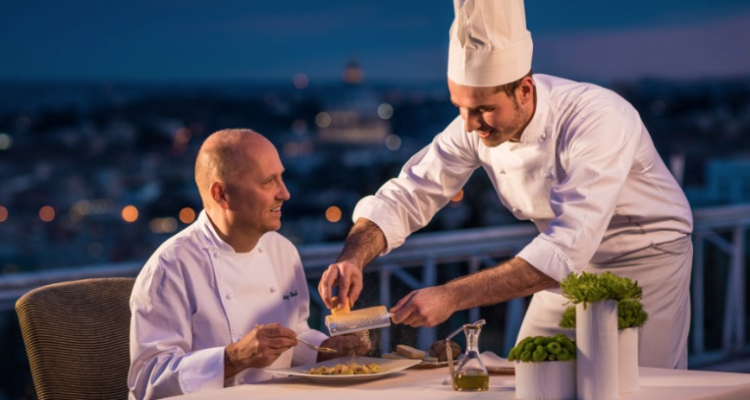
{"x":438,"y":350}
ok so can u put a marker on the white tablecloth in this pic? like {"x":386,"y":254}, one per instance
{"x":656,"y":384}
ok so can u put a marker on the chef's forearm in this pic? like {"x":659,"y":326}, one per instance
{"x":509,"y":280}
{"x":365,"y":242}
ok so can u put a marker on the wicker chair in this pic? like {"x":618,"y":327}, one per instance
{"x":76,"y":336}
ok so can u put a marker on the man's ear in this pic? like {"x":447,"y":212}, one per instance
{"x":525,"y":91}
{"x":218,"y":192}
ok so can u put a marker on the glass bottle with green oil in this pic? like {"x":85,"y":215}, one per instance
{"x":471,"y":374}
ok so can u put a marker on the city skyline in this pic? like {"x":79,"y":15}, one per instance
{"x":164,"y":41}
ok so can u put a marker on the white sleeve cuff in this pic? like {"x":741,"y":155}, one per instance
{"x":304,"y":355}
{"x":379,"y":212}
{"x":202,"y":370}
{"x":547,"y":258}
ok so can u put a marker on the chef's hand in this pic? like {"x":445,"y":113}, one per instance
{"x":425,"y":307}
{"x":259,"y":348}
{"x":347,"y":275}
{"x":353,"y":344}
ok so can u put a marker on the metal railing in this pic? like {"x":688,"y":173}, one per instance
{"x":720,"y":229}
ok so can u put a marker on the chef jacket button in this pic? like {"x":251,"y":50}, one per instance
{"x":272,"y":289}
{"x":228,"y":296}
{"x":216,"y":254}
{"x":260,"y":249}
{"x":544,"y":135}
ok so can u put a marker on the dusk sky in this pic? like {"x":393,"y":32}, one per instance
{"x":394,"y":40}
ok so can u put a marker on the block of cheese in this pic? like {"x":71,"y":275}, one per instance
{"x":339,"y":311}
{"x":410,"y":352}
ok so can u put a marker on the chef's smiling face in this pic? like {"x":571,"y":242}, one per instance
{"x":259,"y":190}
{"x":491,"y":114}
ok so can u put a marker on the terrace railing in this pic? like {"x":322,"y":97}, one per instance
{"x":719,"y":239}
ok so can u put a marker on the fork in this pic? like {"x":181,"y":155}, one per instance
{"x":317,"y":348}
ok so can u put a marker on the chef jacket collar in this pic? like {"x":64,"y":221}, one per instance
{"x":214,"y":240}
{"x":534,"y":132}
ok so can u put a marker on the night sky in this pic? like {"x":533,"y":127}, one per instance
{"x":404,"y":40}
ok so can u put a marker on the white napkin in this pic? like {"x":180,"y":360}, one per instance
{"x":495,"y":363}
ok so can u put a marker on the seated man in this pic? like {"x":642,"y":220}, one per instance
{"x":227,"y":296}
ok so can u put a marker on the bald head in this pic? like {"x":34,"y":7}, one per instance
{"x":226,"y":154}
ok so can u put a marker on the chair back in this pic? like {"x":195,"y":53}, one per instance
{"x":77,"y":338}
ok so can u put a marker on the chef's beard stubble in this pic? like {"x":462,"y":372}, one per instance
{"x":519,"y":120}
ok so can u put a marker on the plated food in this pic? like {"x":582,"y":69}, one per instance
{"x":387,"y":368}
{"x":346,"y":369}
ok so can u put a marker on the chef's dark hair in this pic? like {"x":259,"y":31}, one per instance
{"x":510,"y":88}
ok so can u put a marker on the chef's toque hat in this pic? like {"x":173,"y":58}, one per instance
{"x":489,"y":43}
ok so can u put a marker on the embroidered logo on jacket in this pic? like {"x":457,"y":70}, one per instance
{"x":291,"y":294}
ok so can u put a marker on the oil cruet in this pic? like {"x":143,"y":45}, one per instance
{"x":471,"y":374}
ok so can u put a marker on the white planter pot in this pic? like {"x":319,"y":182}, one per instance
{"x":547,"y":380}
{"x":597,"y":348}
{"x":627,"y":360}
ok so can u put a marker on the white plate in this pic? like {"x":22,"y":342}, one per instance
{"x":497,"y":364}
{"x":387,"y":367}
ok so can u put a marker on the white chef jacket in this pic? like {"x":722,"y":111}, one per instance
{"x":586,"y":172}
{"x":195,"y":296}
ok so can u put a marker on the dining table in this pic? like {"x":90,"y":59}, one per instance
{"x":432,"y":384}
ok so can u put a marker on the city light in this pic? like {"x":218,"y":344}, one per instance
{"x":130,"y":214}
{"x":385,"y":111}
{"x":187,"y":215}
{"x":333,"y":214}
{"x":6,"y":141}
{"x":3,"y":214}
{"x":392,"y":142}
{"x":301,"y":81}
{"x":323,"y":119}
{"x":163,"y":225}
{"x":47,"y":213}
{"x":458,"y":197}
{"x":182,"y":136}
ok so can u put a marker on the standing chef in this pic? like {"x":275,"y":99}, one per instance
{"x":572,"y":157}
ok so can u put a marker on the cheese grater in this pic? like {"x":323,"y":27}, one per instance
{"x":358,"y":320}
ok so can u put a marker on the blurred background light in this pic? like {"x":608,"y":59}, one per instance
{"x":323,"y":119}
{"x":187,"y":215}
{"x":3,"y":214}
{"x":458,"y":197}
{"x":301,"y":81}
{"x":385,"y":111}
{"x":333,"y":214}
{"x":392,"y":142}
{"x":47,"y":213}
{"x":6,"y":141}
{"x":163,"y":225}
{"x":130,"y":213}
